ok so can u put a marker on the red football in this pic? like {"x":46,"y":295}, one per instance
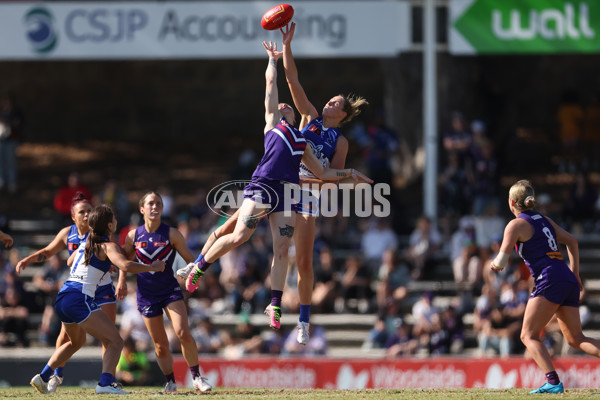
{"x":277,"y":17}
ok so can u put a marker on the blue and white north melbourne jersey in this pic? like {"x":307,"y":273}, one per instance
{"x":284,"y":147}
{"x":74,"y":239}
{"x":150,"y":247}
{"x":322,"y":142}
{"x":84,"y":278}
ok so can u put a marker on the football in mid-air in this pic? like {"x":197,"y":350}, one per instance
{"x":277,"y":17}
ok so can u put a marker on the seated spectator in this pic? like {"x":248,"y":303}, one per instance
{"x":423,"y":248}
{"x":464,"y":254}
{"x":245,"y":339}
{"x":377,"y":238}
{"x":48,"y":282}
{"x":13,"y":320}
{"x":208,"y":339}
{"x":394,"y":276}
{"x":453,"y":325}
{"x":133,"y":366}
{"x":355,"y":283}
{"x":316,"y":346}
{"x":65,"y":194}
{"x":401,"y":343}
{"x":326,"y":282}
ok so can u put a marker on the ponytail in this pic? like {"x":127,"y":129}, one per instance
{"x":98,"y":220}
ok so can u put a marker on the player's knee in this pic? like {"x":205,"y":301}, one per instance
{"x":240,"y":237}
{"x":161,"y":349}
{"x":574,"y":341}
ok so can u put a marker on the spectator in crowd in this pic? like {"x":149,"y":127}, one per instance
{"x":488,"y":227}
{"x":208,"y":339}
{"x":116,"y":197}
{"x":452,"y":323}
{"x":6,"y":239}
{"x":424,"y":245}
{"x":11,"y":126}
{"x":579,"y":208}
{"x":464,"y":254}
{"x":133,"y":367}
{"x":245,"y":339}
{"x":394,"y":277}
{"x":48,"y":282}
{"x":13,"y":319}
{"x":458,"y":139}
{"x":401,"y":342}
{"x":382,"y":145}
{"x":378,"y":237}
{"x":66,"y":193}
{"x":591,"y":132}
{"x":485,"y":172}
{"x":455,"y":187}
{"x":326,"y":282}
{"x":355,"y":283}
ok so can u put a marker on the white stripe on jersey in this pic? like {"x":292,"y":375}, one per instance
{"x":287,"y":142}
{"x":87,"y":275}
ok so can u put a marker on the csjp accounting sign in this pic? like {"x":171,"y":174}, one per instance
{"x":199,"y":29}
{"x":524,"y":26}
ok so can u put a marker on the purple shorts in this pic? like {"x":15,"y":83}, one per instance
{"x":105,"y":294}
{"x":270,"y":195}
{"x":153,"y":307}
{"x":562,"y":292}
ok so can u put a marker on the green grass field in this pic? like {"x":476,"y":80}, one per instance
{"x":65,"y":393}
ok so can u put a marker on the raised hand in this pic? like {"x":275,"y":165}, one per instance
{"x":271,"y":48}
{"x":288,"y":33}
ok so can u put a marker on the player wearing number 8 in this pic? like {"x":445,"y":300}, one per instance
{"x":557,"y":285}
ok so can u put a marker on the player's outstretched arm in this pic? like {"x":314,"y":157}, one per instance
{"x":57,"y":244}
{"x":114,"y":254}
{"x":272,"y":114}
{"x":307,"y":111}
{"x":331,"y":174}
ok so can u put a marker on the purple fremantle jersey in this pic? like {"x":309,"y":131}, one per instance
{"x":74,"y":239}
{"x":284,"y":147}
{"x":542,"y":251}
{"x":150,"y":247}
{"x":322,"y":142}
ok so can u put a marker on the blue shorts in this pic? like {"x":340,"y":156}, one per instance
{"x":309,"y":202}
{"x":105,"y":294}
{"x":270,"y":195}
{"x":74,"y":307}
{"x":150,"y":308}
{"x":564,"y":292}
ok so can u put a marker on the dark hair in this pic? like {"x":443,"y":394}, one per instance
{"x":78,"y":198}
{"x":99,"y":219}
{"x":143,"y":199}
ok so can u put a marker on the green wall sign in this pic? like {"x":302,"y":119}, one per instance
{"x":524,"y":26}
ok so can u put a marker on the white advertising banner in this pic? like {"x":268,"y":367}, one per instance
{"x":192,"y":30}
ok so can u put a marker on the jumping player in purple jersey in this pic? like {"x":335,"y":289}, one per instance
{"x":71,"y":237}
{"x":557,"y":285}
{"x":76,"y":307}
{"x":331,"y":148}
{"x":158,"y":291}
{"x":284,"y":150}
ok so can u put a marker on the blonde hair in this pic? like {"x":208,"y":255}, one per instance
{"x":352,"y":104}
{"x":522,"y":194}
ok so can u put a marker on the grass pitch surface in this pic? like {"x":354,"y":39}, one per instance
{"x":65,"y":393}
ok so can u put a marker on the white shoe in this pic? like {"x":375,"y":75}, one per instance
{"x":303,"y":334}
{"x":184,"y":272}
{"x":38,"y":383}
{"x":202,"y":384}
{"x":54,"y":382}
{"x":170,"y":387}
{"x":113,"y":388}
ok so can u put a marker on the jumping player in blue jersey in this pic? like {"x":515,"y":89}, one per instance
{"x":76,"y":308}
{"x":71,"y":237}
{"x":158,"y":291}
{"x":284,"y":150}
{"x":536,"y":239}
{"x":330,"y":147}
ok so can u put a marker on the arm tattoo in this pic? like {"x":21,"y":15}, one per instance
{"x":287,"y":231}
{"x":341,"y":173}
{"x":250,"y":221}
{"x":41,"y":258}
{"x":273,"y":62}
